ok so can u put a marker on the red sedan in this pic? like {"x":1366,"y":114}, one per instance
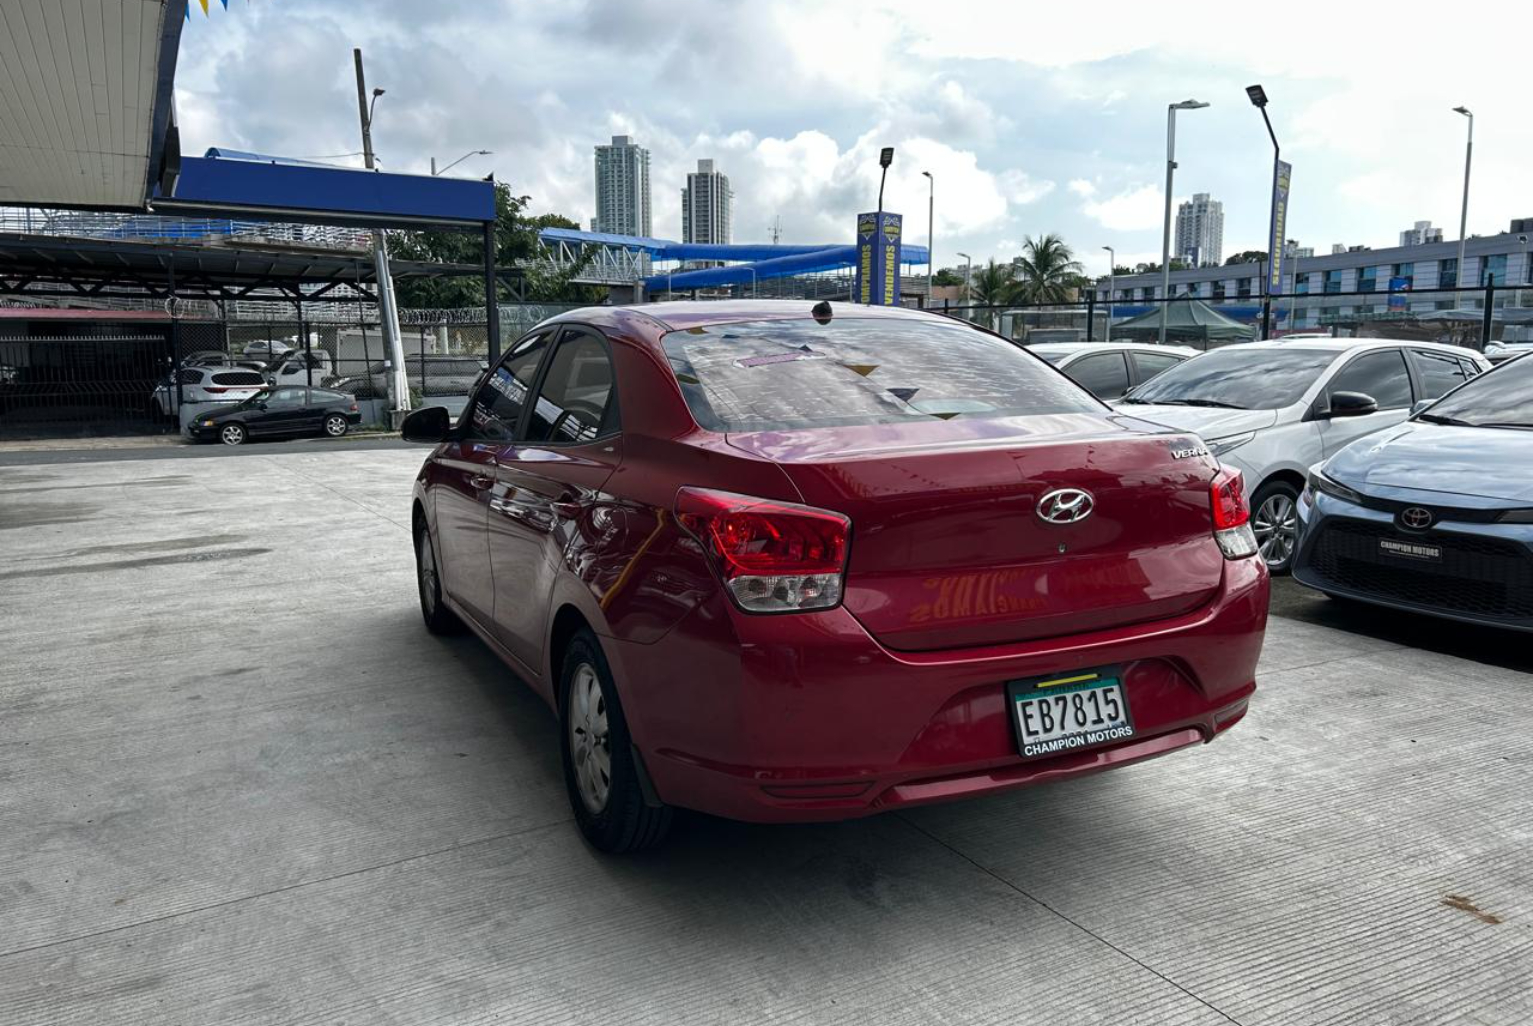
{"x":780,"y":563}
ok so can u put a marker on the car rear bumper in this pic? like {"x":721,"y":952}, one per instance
{"x":807,"y":717}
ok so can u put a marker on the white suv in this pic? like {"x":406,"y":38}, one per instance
{"x":1274,"y":409}
{"x":205,"y":385}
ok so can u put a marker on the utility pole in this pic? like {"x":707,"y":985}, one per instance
{"x":387,"y":310}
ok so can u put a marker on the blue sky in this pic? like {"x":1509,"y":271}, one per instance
{"x":1032,"y":121}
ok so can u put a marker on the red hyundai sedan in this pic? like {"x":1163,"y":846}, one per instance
{"x":780,"y":563}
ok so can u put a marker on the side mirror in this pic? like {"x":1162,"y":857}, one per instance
{"x":260,"y":406}
{"x":429,"y":424}
{"x":1352,"y":404}
{"x":1420,"y":405}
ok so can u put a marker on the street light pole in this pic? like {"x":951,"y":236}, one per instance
{"x":387,"y":310}
{"x":1463,"y":217}
{"x":1112,"y":268}
{"x":931,"y":207}
{"x":1258,"y":97}
{"x":449,"y":167}
{"x":968,"y":264}
{"x":1165,"y":245}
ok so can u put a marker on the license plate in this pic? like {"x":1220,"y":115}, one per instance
{"x":1411,"y":549}
{"x":1068,"y":712}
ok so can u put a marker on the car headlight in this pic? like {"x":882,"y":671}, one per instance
{"x":207,"y":423}
{"x":1318,"y":482}
{"x":1220,"y":446}
{"x":1516,"y":516}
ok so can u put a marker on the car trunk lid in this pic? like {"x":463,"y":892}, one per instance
{"x":948,"y":549}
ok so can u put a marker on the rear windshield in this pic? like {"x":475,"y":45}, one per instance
{"x":238,"y":378}
{"x":1238,"y":378}
{"x":782,"y":375}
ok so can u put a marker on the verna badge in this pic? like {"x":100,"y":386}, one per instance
{"x":1064,"y":506}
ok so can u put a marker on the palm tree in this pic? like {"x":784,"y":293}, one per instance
{"x":992,"y":286}
{"x":1048,"y":270}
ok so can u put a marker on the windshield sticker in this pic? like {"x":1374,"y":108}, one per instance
{"x":766,"y":361}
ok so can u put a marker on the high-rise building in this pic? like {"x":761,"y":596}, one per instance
{"x":622,"y":188}
{"x":1420,"y":234}
{"x":706,"y":205}
{"x":1200,"y":231}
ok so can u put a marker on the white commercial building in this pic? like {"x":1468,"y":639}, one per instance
{"x":622,"y":188}
{"x":1420,"y":234}
{"x":1200,"y":231}
{"x":706,"y":206}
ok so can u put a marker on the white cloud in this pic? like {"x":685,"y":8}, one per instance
{"x":1136,"y":209}
{"x":1081,"y":187}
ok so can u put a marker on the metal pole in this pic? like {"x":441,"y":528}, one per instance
{"x":1293,"y":300}
{"x":308,"y":355}
{"x":1112,"y":269}
{"x":175,"y":341}
{"x":491,"y":294}
{"x":1091,"y":316}
{"x":388,"y":312}
{"x":1165,"y":244}
{"x":1463,"y":217}
{"x":1275,"y":246}
{"x":1485,"y":325}
{"x":931,"y":222}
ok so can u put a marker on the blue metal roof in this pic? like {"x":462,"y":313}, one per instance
{"x":231,"y":183}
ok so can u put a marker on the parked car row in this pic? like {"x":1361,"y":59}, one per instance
{"x":272,"y":412}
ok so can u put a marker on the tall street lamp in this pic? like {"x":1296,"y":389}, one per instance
{"x":1463,"y":217}
{"x":931,"y":208}
{"x":449,"y":167}
{"x":388,"y":309}
{"x":1112,"y":267}
{"x":1258,"y":97}
{"x":968,"y":262}
{"x":1165,"y":246}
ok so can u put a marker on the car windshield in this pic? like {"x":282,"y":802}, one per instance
{"x":1238,"y":378}
{"x":260,"y":397}
{"x":1502,"y":398}
{"x":782,"y":375}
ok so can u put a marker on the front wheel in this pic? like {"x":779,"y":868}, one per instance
{"x":439,"y":619}
{"x":1275,"y":522}
{"x":233,"y":434}
{"x":600,"y":773}
{"x":335,"y":425}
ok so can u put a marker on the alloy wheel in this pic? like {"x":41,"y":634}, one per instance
{"x":428,"y":583}
{"x":589,"y":740}
{"x":1276,"y":527}
{"x":232,"y":434}
{"x":335,"y":426}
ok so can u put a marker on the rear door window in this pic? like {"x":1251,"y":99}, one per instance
{"x":190,"y":377}
{"x":789,"y":374}
{"x":1106,"y":374}
{"x":1380,"y":375}
{"x":1151,"y":364}
{"x":1440,"y":373}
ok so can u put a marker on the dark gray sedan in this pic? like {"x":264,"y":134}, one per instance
{"x":1435,"y":515}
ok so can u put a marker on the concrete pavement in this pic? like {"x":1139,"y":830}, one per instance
{"x":239,"y":782}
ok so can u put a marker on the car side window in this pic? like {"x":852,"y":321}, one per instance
{"x":497,"y":406}
{"x":1382,"y":375}
{"x":1151,"y":364}
{"x":1104,"y":374}
{"x":190,"y":377}
{"x":1440,"y":373}
{"x":287,"y":397}
{"x":575,"y":403}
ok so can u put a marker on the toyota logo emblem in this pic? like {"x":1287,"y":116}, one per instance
{"x":1064,"y":506}
{"x":1416,"y":518}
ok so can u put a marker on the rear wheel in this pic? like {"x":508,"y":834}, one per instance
{"x":439,"y":619}
{"x":1275,"y":522}
{"x":600,"y":772}
{"x":335,"y":425}
{"x":233,"y":434}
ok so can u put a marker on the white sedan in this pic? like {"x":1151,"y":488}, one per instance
{"x":1274,"y":409}
{"x":1109,"y":369}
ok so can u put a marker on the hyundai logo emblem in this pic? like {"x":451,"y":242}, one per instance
{"x":1064,"y":506}
{"x":1416,"y":518}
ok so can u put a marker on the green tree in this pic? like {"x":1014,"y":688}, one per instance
{"x":947,"y":276}
{"x":515,"y":243}
{"x":1047,"y":272}
{"x":1250,"y":256}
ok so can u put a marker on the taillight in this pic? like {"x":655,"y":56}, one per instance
{"x":353,"y":408}
{"x":774,"y":557}
{"x":1232,"y":516}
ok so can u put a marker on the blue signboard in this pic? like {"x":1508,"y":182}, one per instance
{"x":878,"y":259}
{"x":1276,"y":236}
{"x":1397,"y":289}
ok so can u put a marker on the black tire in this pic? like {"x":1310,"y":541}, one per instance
{"x":428,"y":583}
{"x":335,"y":425}
{"x":1275,"y":521}
{"x":233,"y":434}
{"x":620,"y":820}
